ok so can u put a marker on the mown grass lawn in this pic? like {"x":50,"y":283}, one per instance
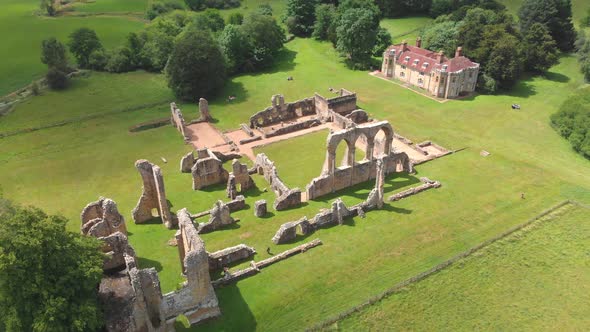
{"x":537,"y":279}
{"x":406,"y":28}
{"x":62,"y":169}
{"x":112,"y":6}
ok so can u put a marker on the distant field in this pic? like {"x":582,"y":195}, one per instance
{"x":537,"y":279}
{"x":407,"y":28}
{"x":22,"y":32}
{"x":109,"y":6}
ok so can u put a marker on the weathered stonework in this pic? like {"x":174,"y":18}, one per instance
{"x":426,"y":184}
{"x":187,"y":162}
{"x":218,"y":218}
{"x":281,"y":112}
{"x":350,"y":172}
{"x":102,"y":218}
{"x":260,"y":208}
{"x":208,"y":170}
{"x":204,"y":110}
{"x":286,"y":197}
{"x":177,"y":121}
{"x":231,"y":190}
{"x":243,"y":179}
{"x":153,"y":195}
{"x":222,"y":258}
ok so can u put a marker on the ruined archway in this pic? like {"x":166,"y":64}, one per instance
{"x":382,"y":140}
{"x":364,"y":148}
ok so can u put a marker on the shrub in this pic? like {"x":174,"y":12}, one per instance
{"x":119,"y":61}
{"x":572,"y":121}
{"x":56,"y":79}
{"x":158,"y":8}
{"x":235,"y":19}
{"x":98,"y":60}
{"x":82,"y":43}
{"x":35,"y":88}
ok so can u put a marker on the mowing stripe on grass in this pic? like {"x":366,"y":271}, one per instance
{"x":421,"y":276}
{"x":81,"y":119}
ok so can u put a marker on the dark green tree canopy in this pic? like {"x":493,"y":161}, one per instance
{"x":266,"y":37}
{"x":325,"y":24}
{"x":236,"y":49}
{"x":209,"y":19}
{"x":356,"y":35}
{"x":53,"y":54}
{"x":572,"y":121}
{"x":82,"y":43}
{"x":300,"y":17}
{"x":540,"y":50}
{"x":196,"y":67}
{"x":556,"y":15}
{"x":48,"y":275}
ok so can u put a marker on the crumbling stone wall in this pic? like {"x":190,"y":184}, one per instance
{"x":289,"y":128}
{"x":177,"y":121}
{"x":204,"y":110}
{"x":153,"y":195}
{"x":207,"y":170}
{"x":187,"y":162}
{"x":102,"y":218}
{"x":344,"y":104}
{"x":219,"y":217}
{"x":350,"y":172}
{"x":286,"y":197}
{"x":280,"y":112}
{"x":242,"y":176}
{"x":222,"y":258}
{"x":196,"y":299}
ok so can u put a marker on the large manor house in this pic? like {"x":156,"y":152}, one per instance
{"x":431,"y":71}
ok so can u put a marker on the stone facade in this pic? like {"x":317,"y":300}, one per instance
{"x":279,"y":111}
{"x":440,"y":76}
{"x":208,"y":170}
{"x":242,"y":176}
{"x":102,"y":218}
{"x":153,"y":195}
{"x":377,"y":138}
{"x":218,"y":218}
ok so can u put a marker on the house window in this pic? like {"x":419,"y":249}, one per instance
{"x":416,"y":62}
{"x":402,"y":74}
{"x":437,"y":78}
{"x":453,"y":80}
{"x":420,"y":81}
{"x":470,"y":74}
{"x":403,"y":67}
{"x":422,"y":73}
{"x":407,"y":59}
{"x":442,"y":80}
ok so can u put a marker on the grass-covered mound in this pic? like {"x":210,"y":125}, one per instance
{"x":572,"y":121}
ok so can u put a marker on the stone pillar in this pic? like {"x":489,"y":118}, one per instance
{"x":204,"y":110}
{"x":349,"y":155}
{"x":181,"y":253}
{"x":370,"y":147}
{"x":379,"y":182}
{"x":260,"y":208}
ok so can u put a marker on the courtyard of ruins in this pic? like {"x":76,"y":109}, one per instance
{"x":133,"y":296}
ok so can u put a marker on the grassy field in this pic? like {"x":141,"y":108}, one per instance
{"x":406,"y":28}
{"x":537,"y":279}
{"x":63,"y":168}
{"x":112,"y":6}
{"x":22,"y":32}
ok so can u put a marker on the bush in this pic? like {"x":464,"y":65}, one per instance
{"x":35,"y":90}
{"x":572,"y":121}
{"x":57,"y":79}
{"x":235,"y":19}
{"x":119,"y":61}
{"x":82,"y":43}
{"x":98,"y":60}
{"x":158,"y":8}
{"x":486,"y":84}
{"x":197,"y":5}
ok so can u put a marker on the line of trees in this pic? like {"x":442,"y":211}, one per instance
{"x":572,"y":121}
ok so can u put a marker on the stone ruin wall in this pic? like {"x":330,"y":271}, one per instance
{"x":207,"y":169}
{"x":335,"y":177}
{"x":281,"y":112}
{"x":286,"y":197}
{"x":153,"y":195}
{"x":343,"y":104}
{"x":178,"y":121}
{"x":336,"y":214}
{"x":196,"y":299}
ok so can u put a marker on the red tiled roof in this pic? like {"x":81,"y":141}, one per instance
{"x":426,"y":56}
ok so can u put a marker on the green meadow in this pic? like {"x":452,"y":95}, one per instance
{"x":61,"y":169}
{"x":537,"y":279}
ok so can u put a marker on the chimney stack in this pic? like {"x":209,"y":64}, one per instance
{"x":459,"y":52}
{"x":404,"y":45}
{"x":439,"y":57}
{"x":419,"y":42}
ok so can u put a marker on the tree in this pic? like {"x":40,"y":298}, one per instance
{"x":48,"y":275}
{"x":156,"y":50}
{"x":264,"y":9}
{"x":53,"y":54}
{"x":383,"y":40}
{"x":56,"y":79}
{"x":441,"y":36}
{"x":556,"y":15}
{"x":195,"y":4}
{"x":235,"y":18}
{"x":572,"y":121}
{"x":583,"y":47}
{"x":540,"y":50}
{"x":196,"y":67}
{"x":300,"y":17}
{"x":158,"y":8}
{"x":397,"y":8}
{"x":209,"y":19}
{"x":356,"y":35}
{"x":120,"y":60}
{"x":325,"y":23}
{"x":505,"y":60}
{"x":236,"y":49}
{"x":266,"y":37}
{"x":585,"y":21}
{"x":82,"y":43}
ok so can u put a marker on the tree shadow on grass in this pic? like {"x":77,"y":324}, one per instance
{"x":557,"y":77}
{"x":235,"y":313}
{"x":284,"y":61}
{"x":391,"y":208}
{"x":147,"y":263}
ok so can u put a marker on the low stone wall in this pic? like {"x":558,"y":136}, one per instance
{"x":222,"y":258}
{"x":427,"y":184}
{"x":290,"y":128}
{"x":286,"y":197}
{"x":280,"y":112}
